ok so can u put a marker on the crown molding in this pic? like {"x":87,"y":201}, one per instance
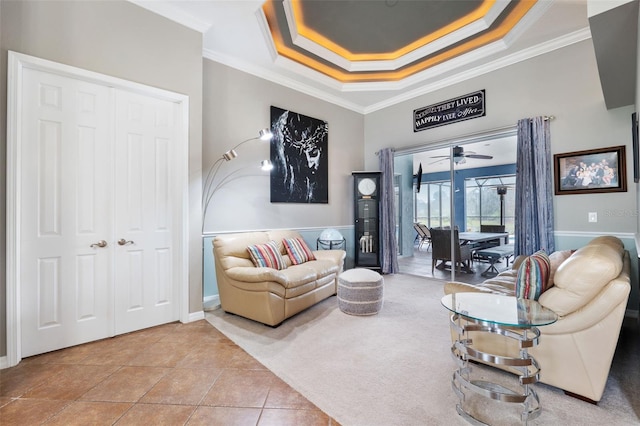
{"x":277,"y":78}
{"x":523,"y":55}
{"x":261,"y":72}
{"x":173,"y":13}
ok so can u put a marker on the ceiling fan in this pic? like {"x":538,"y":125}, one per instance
{"x":459,"y":155}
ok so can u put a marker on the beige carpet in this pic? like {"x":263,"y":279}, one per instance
{"x":395,"y":368}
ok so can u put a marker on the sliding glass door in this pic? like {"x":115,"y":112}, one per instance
{"x":433,"y":204}
{"x":490,"y":201}
{"x":464,"y":184}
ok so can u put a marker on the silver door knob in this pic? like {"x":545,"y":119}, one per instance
{"x":101,"y":243}
{"x":124,"y":242}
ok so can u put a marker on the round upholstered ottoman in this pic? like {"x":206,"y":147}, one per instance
{"x":360,"y":292}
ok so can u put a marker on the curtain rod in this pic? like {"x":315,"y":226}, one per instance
{"x":484,"y":135}
{"x":478,"y":136}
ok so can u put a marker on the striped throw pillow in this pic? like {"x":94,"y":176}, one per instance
{"x":266,"y":255}
{"x":533,"y":276}
{"x":298,"y":251}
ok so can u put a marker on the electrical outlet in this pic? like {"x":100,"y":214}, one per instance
{"x":593,"y":216}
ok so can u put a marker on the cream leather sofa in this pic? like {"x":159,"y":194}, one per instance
{"x":268,"y":295}
{"x":590,"y":293}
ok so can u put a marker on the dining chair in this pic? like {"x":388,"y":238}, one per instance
{"x":492,"y":228}
{"x":441,"y":250}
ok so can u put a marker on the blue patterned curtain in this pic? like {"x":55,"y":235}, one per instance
{"x":389,"y":249}
{"x":534,"y":188}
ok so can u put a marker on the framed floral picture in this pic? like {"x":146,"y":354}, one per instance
{"x":591,"y":171}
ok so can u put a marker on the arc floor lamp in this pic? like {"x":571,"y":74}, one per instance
{"x":211,"y":185}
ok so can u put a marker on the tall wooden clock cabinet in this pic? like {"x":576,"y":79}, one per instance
{"x":366,"y":189}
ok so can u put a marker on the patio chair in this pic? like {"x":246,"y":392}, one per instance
{"x":424,"y":235}
{"x":441,"y":250}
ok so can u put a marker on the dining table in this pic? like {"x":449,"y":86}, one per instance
{"x":482,"y":237}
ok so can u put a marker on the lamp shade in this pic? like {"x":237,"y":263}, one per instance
{"x":265,"y":134}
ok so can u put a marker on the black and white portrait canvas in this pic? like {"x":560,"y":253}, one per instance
{"x":299,"y":155}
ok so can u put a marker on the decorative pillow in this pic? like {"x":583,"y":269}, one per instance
{"x":298,"y":251}
{"x":533,"y":276}
{"x":266,"y":255}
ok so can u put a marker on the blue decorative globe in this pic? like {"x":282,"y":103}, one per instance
{"x":330,"y":239}
{"x":330,"y":234}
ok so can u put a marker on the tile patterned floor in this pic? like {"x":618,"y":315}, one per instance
{"x":174,"y":374}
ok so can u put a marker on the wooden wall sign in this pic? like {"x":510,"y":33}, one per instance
{"x":451,"y":111}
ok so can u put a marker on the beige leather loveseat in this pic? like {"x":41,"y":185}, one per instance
{"x":269,"y":295}
{"x":590,"y":292}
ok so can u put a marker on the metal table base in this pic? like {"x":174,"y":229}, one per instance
{"x":525,"y":366}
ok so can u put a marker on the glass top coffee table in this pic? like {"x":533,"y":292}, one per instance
{"x":511,"y":318}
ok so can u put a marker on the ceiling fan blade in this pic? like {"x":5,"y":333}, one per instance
{"x":437,"y":161}
{"x":440,"y":156}
{"x":479,"y":156}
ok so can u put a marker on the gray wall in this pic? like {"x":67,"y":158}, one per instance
{"x":236,"y":106}
{"x":123,"y":40}
{"x":563,"y":83}
{"x":120,"y":39}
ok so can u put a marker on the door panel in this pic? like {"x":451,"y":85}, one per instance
{"x":82,"y":291}
{"x":65,"y":170}
{"x":62,"y":213}
{"x":146,"y":294}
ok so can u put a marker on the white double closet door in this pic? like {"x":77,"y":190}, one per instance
{"x":97,"y":228}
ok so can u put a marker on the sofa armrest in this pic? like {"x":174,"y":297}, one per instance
{"x":517,"y":261}
{"x":598,"y":308}
{"x":336,"y":256}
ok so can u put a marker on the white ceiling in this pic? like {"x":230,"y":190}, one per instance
{"x":236,"y":34}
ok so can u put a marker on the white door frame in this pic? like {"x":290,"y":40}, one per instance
{"x":17,"y":62}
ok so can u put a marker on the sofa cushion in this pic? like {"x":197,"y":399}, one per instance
{"x":298,"y":250}
{"x":266,"y":255}
{"x":556,"y":259}
{"x":533,"y":276}
{"x":582,"y":276}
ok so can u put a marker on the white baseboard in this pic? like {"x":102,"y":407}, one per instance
{"x":195,"y":316}
{"x":4,"y":362}
{"x":208,"y":304}
{"x":211,"y":302}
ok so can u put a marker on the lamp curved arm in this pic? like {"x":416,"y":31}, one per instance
{"x":231,"y":176}
{"x":208,"y":186}
{"x":243,"y":142}
{"x":264,"y":134}
{"x":208,"y":182}
{"x":226,"y":179}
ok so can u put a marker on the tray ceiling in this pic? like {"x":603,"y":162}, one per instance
{"x":368,"y":54}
